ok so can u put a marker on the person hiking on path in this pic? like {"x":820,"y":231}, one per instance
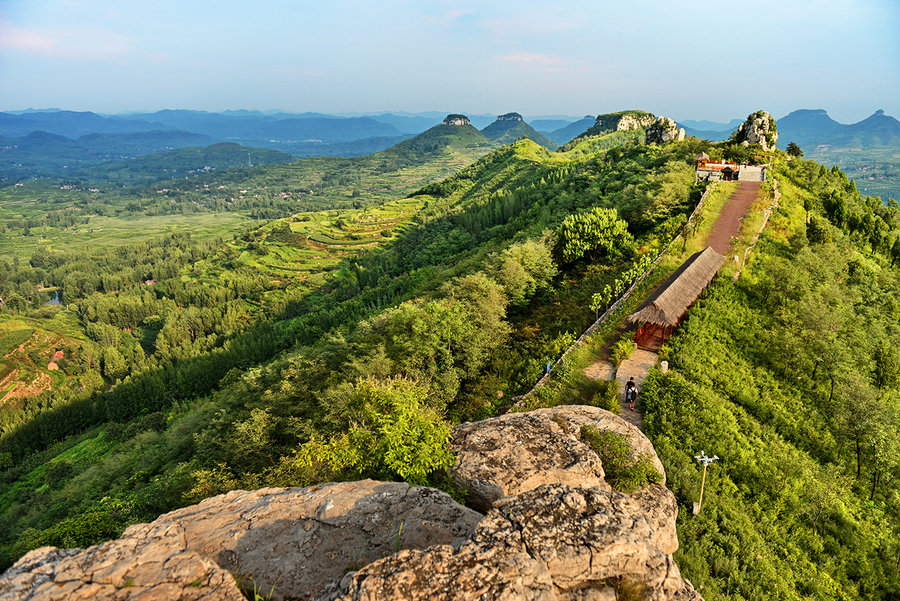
{"x":631,"y":393}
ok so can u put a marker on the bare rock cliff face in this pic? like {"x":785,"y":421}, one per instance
{"x":292,"y":541}
{"x":759,"y":128}
{"x":626,"y":121}
{"x":553,"y":530}
{"x":664,"y":130}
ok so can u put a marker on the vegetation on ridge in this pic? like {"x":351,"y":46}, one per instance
{"x":790,"y":376}
{"x":448,"y":305}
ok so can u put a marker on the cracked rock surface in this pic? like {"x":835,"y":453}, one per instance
{"x":291,"y":541}
{"x":554,"y":531}
{"x":664,"y":130}
{"x":148,"y":562}
{"x":517,"y":452}
{"x":555,"y":542}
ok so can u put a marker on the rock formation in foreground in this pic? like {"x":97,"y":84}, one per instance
{"x":553,"y":530}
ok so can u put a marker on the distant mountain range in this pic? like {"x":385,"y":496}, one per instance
{"x":51,"y":142}
{"x":570,"y":131}
{"x":813,"y":128}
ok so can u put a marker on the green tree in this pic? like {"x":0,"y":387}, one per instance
{"x":794,"y":150}
{"x":393,"y":433}
{"x":523,"y":269}
{"x":114,"y":366}
{"x":597,"y":232}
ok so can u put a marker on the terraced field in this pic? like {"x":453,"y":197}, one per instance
{"x":28,"y":356}
{"x":297,"y":253}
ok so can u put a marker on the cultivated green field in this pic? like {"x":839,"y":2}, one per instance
{"x":117,"y":231}
{"x":876,"y":171}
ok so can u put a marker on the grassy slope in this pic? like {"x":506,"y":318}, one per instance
{"x":782,"y":517}
{"x":306,"y":185}
{"x":501,"y":133}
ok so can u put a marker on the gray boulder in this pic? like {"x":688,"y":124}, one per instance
{"x":149,"y":563}
{"x":517,"y":452}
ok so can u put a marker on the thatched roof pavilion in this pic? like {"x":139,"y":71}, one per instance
{"x":702,"y":157}
{"x":668,"y":303}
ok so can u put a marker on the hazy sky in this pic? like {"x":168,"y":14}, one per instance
{"x":689,"y":60}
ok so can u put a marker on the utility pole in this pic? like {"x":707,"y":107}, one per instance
{"x":702,"y":458}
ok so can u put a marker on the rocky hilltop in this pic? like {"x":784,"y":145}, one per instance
{"x":623,"y":121}
{"x":510,"y":127}
{"x":456,"y":120}
{"x":543,"y":523}
{"x":759,"y":128}
{"x":664,"y":130}
{"x":510,"y":117}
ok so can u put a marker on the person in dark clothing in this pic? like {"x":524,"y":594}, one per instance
{"x":631,"y":393}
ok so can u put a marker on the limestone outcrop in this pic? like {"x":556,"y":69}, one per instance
{"x":553,"y":530}
{"x":555,"y":542}
{"x":149,"y":562}
{"x":456,"y":120}
{"x":624,"y":121}
{"x":664,"y":130}
{"x":510,"y":117}
{"x":759,"y":128}
{"x":292,"y":541}
{"x":516,"y":452}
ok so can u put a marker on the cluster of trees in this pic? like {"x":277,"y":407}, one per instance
{"x":148,"y":343}
{"x":446,"y":322}
{"x":610,"y":292}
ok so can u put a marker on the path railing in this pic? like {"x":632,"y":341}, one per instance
{"x":518,"y":400}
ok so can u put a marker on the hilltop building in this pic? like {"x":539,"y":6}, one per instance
{"x":709,"y":170}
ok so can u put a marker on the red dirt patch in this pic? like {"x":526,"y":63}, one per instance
{"x":728,"y":224}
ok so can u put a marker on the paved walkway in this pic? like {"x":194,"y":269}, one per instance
{"x":728,"y":225}
{"x":637,"y":366}
{"x":640,"y":363}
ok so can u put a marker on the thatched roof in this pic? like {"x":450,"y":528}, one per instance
{"x":702,"y":157}
{"x":668,"y":303}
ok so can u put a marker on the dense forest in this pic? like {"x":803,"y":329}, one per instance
{"x":192,"y":372}
{"x":186,"y":393}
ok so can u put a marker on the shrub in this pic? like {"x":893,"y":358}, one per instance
{"x":394,"y":434}
{"x":622,"y":350}
{"x":57,"y":472}
{"x":625,"y":472}
{"x":608,"y":397}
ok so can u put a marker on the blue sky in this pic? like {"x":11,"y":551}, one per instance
{"x":689,"y":60}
